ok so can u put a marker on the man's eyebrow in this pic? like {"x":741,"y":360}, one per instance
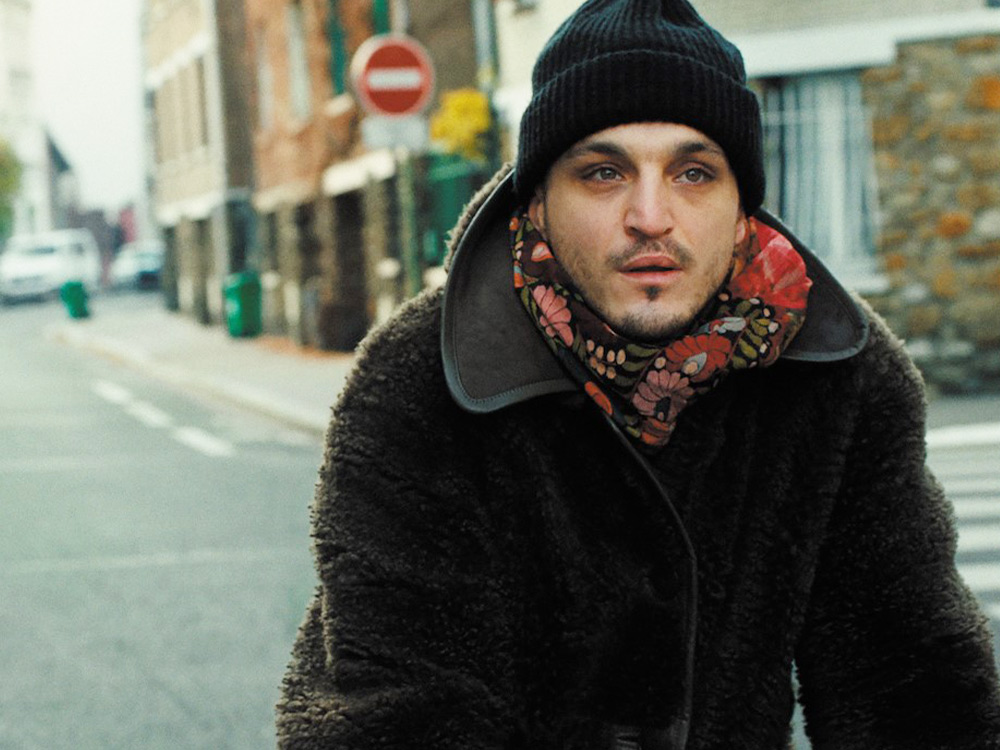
{"x":609,"y":148}
{"x":586,"y":148}
{"x":689,"y":148}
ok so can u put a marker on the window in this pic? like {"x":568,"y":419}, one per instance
{"x":265,"y":83}
{"x":202,"y":94}
{"x":298,"y":63}
{"x":20,"y":87}
{"x":271,"y":242}
{"x":820,"y":169}
{"x":158,"y":131}
{"x":167,"y":117}
{"x":186,"y":101}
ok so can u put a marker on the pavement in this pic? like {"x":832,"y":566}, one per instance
{"x":269,"y":374}
{"x":298,"y":385}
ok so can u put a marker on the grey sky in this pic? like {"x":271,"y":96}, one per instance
{"x":88,"y":87}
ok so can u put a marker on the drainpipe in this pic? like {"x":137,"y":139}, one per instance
{"x":338,"y":48}
{"x":381,"y":16}
{"x":487,"y":70}
{"x":394,"y":16}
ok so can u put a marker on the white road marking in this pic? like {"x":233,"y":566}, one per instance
{"x":112,"y":392}
{"x":156,"y":418}
{"x":959,"y":436}
{"x":966,"y":509}
{"x":149,"y":415}
{"x":973,"y":486}
{"x":203,"y":442}
{"x":153,"y":560}
{"x":979,"y":537}
{"x":981,"y":576}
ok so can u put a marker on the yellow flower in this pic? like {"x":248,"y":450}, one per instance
{"x":461,"y":121}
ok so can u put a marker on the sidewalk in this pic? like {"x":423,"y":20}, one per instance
{"x":268,"y":374}
{"x":298,"y":386}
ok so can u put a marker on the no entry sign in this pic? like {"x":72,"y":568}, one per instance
{"x":393,"y":75}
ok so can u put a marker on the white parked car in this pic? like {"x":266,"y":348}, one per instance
{"x":37,"y":265}
{"x":138,"y":265}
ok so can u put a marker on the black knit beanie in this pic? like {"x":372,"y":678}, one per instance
{"x":619,"y":61}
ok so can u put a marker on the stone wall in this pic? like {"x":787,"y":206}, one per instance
{"x":936,"y":131}
{"x":764,"y":16}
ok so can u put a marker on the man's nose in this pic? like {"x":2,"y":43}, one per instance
{"x":648,"y":212}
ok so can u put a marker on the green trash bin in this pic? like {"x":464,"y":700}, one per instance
{"x":74,"y":296}
{"x":243,"y":304}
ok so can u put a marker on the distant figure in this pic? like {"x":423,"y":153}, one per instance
{"x":640,"y":460}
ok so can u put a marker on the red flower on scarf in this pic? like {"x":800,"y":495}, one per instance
{"x":660,"y":385}
{"x":540,"y":252}
{"x":600,"y":398}
{"x":698,"y":357}
{"x":777,"y":273}
{"x":655,"y":432}
{"x":555,"y":315}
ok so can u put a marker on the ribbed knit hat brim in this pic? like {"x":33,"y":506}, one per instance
{"x":620,"y":61}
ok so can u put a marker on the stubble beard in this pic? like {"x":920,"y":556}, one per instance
{"x":651,"y":328}
{"x":647,"y":326}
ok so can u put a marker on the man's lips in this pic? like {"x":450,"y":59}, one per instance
{"x":650,"y":267}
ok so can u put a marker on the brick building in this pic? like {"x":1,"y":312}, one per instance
{"x":882,"y":138}
{"x":337,"y":226}
{"x":296,"y":135}
{"x":20,"y":124}
{"x":197,"y":97}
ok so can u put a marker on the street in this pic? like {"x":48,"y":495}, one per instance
{"x":971,"y":478}
{"x":154,"y":558}
{"x":154,"y":548}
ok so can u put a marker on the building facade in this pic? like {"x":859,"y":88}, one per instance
{"x":197,"y":96}
{"x":297,"y":134}
{"x":20,"y":125}
{"x":344,"y":229}
{"x":882,"y":147}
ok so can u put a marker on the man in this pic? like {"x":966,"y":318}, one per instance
{"x":639,"y":461}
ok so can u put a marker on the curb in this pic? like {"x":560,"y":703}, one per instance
{"x":964,"y":436}
{"x":266,"y":403}
{"x":139,"y":359}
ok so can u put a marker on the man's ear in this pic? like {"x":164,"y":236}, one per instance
{"x":536,"y":210}
{"x":742,"y":228}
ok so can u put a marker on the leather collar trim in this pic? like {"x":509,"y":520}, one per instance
{"x":493,"y":356}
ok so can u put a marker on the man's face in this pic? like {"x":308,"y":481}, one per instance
{"x":644,"y":217}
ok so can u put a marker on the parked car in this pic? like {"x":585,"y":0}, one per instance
{"x":138,"y":265}
{"x":37,"y":265}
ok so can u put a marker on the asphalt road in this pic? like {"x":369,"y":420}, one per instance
{"x":154,"y":560}
{"x":971,"y":478}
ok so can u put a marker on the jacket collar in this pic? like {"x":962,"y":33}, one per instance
{"x":493,"y":356}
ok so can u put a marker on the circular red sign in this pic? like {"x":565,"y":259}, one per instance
{"x":393,"y":75}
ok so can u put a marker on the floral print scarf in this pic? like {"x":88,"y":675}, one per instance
{"x":642,"y":387}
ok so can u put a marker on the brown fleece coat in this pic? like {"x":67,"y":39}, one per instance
{"x":516,"y":577}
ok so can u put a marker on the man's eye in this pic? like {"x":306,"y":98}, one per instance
{"x":696,"y":175}
{"x":604,"y":174}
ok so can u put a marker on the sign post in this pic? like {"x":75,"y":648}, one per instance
{"x":393,"y":79}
